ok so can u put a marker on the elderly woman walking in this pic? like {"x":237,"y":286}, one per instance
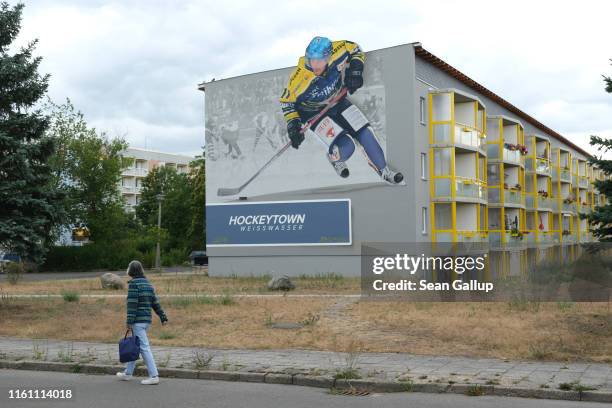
{"x":140,"y":300}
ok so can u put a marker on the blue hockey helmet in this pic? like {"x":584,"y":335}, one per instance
{"x":320,"y":48}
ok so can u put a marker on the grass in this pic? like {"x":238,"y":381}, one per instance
{"x":70,"y":296}
{"x":202,"y":359}
{"x":575,"y":386}
{"x":186,"y":283}
{"x":66,"y":355}
{"x":548,"y":331}
{"x":166,"y":335}
{"x":38,"y":352}
{"x":475,"y":391}
{"x":539,"y":351}
{"x":347,"y":374}
{"x":227,"y":300}
{"x":350,"y":370}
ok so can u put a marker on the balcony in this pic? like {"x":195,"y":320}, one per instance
{"x":516,"y":239}
{"x":466,"y":136}
{"x":568,"y":207}
{"x":465,"y":189}
{"x":512,"y":156}
{"x":565,"y":177}
{"x":513,"y":197}
{"x":543,"y":166}
{"x":470,"y":188}
{"x":131,"y":189}
{"x":548,"y":237}
{"x":545,"y":203}
{"x":137,"y":172}
{"x":510,"y":239}
{"x":583,"y":182}
{"x":584,"y":208}
{"x":568,"y":237}
{"x":472,"y":236}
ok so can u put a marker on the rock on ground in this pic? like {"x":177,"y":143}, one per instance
{"x":281,"y":283}
{"x":111,"y":281}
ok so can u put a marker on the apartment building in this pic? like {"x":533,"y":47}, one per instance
{"x":143,"y":161}
{"x":477,"y":169}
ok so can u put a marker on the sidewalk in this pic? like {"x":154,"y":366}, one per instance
{"x":545,"y":377}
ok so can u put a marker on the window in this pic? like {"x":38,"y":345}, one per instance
{"x":424,"y":166}
{"x":443,"y":216}
{"x":422,"y":110}
{"x":442,"y":161}
{"x":424,"y":220}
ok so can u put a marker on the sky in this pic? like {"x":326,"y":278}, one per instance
{"x":132,"y":67}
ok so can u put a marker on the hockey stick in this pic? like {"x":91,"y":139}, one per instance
{"x":221,"y":192}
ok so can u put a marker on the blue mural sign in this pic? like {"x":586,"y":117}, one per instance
{"x":312,"y":222}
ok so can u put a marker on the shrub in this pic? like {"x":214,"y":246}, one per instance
{"x":175,"y":256}
{"x":30,"y":267}
{"x":13,"y":272}
{"x":114,"y":256}
{"x":70,"y":296}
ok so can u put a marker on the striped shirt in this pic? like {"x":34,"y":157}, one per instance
{"x":141,"y":298}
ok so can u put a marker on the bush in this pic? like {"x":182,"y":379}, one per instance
{"x":70,"y":296}
{"x":114,"y":256}
{"x":13,"y":272}
{"x":93,"y":256}
{"x":173,"y":257}
{"x":30,"y":267}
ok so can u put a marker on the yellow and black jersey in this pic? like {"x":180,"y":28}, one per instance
{"x":306,"y":93}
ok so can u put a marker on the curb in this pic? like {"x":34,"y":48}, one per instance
{"x":379,"y":386}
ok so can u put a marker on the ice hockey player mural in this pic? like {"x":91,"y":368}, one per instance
{"x":317,"y":82}
{"x":247,"y":124}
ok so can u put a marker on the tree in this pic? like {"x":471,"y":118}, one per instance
{"x":197,"y":179}
{"x":29,"y":206}
{"x":87,"y":167}
{"x":176,"y":205}
{"x":601,"y":218}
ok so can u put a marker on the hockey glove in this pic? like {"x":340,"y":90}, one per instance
{"x":353,"y":78}
{"x":294,"y":128}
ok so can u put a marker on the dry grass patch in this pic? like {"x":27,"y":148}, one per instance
{"x":553,"y":332}
{"x":486,"y":329}
{"x":240,"y":323}
{"x":191,"y":283}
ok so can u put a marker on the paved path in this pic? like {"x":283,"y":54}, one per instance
{"x":386,"y":366}
{"x":91,"y":391}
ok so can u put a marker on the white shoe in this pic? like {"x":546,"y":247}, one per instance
{"x":390,"y":176}
{"x":150,"y":381}
{"x":123,"y":376}
{"x":340,"y":167}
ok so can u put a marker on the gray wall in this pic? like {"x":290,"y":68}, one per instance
{"x":380,"y":212}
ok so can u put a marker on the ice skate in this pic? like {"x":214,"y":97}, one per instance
{"x":340,"y":167}
{"x":391,"y":176}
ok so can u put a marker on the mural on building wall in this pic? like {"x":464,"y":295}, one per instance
{"x":245,"y":127}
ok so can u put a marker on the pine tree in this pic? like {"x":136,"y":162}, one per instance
{"x":601,"y":218}
{"x":29,"y":207}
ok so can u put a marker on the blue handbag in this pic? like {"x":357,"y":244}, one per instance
{"x":129,"y":347}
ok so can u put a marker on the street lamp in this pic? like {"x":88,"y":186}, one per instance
{"x":160,"y":198}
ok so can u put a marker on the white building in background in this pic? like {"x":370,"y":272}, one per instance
{"x":145,"y":161}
